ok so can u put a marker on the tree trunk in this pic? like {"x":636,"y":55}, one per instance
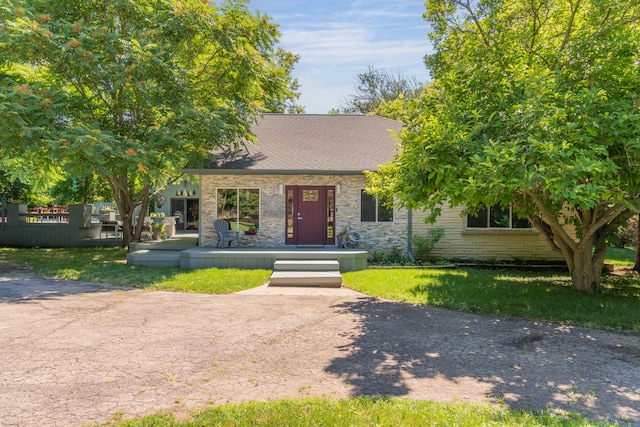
{"x":584,"y":257}
{"x":125,"y":206}
{"x":636,"y":266}
{"x":585,"y":270}
{"x":142,"y":214}
{"x":126,"y":213}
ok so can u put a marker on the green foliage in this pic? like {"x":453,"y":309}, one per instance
{"x":158,"y":226}
{"x":26,"y":179}
{"x":14,"y":189}
{"x":286,"y":101}
{"x":360,"y":411}
{"x":628,"y":233}
{"x":536,"y":107}
{"x":393,"y":257}
{"x":423,"y":245}
{"x":88,"y":189}
{"x":135,"y":91}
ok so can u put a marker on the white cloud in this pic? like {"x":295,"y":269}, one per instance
{"x":338,"y":40}
{"x":330,"y":60}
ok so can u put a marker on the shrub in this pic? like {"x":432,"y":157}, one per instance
{"x":394,"y":257}
{"x":423,"y":245}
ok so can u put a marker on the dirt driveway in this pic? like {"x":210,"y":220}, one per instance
{"x":74,"y":353}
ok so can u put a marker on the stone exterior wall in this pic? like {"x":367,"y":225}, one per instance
{"x":483,"y":244}
{"x":376,"y":236}
{"x":457,"y":242}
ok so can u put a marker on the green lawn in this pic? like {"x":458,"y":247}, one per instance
{"x":623,"y":257}
{"x":108,"y":266}
{"x":546,"y":296}
{"x":360,"y":412}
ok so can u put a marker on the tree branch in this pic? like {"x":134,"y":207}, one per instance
{"x":467,"y":6}
{"x":567,"y":33}
{"x":552,"y":221}
{"x":546,"y":231}
{"x":606,"y":218}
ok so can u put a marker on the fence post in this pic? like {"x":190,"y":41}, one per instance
{"x":16,"y":214}
{"x":80,"y":216}
{"x":3,"y":211}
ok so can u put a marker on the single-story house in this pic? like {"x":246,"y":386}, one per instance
{"x":302,"y":184}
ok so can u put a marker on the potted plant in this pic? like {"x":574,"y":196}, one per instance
{"x":252,"y":231}
{"x":157,"y":217}
{"x":157,"y":230}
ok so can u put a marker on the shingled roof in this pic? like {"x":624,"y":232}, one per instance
{"x":314,"y":144}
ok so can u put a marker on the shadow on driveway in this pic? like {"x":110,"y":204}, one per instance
{"x":523,"y":364}
{"x":20,"y":284}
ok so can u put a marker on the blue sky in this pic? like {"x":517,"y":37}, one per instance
{"x":337,"y":39}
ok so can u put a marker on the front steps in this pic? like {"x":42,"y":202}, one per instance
{"x":321,"y":273}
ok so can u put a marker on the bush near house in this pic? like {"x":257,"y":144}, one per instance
{"x":423,"y":245}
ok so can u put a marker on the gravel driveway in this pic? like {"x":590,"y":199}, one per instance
{"x":76,"y":353}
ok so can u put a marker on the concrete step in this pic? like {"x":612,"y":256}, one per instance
{"x":306,"y":278}
{"x":306,"y":265}
{"x":157,"y":258}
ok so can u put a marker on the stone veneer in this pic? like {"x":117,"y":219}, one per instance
{"x":383,"y":236}
{"x":457,"y":242}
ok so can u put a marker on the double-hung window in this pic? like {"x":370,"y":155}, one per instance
{"x":497,"y":217}
{"x":239,"y":206}
{"x":373,"y":209}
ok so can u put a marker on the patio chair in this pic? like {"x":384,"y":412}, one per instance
{"x":225,"y":234}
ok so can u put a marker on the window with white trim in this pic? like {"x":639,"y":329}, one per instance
{"x":374,"y":210}
{"x":497,"y":217}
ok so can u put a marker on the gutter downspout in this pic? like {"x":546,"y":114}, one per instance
{"x":409,"y":234}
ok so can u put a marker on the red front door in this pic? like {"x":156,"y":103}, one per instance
{"x":310,"y":215}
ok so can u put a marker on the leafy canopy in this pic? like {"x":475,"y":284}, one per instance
{"x":135,"y":90}
{"x":534,"y":105}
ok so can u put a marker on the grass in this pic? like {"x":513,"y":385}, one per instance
{"x":360,"y":411}
{"x":544,"y":296}
{"x":107,"y":266}
{"x":621,"y":257}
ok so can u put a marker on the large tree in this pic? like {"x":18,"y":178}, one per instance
{"x":535,"y":107}
{"x":136,"y":90}
{"x":374,"y":88}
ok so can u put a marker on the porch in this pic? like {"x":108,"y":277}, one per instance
{"x":183,"y":252}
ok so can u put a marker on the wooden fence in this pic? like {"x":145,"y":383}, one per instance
{"x":50,"y":228}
